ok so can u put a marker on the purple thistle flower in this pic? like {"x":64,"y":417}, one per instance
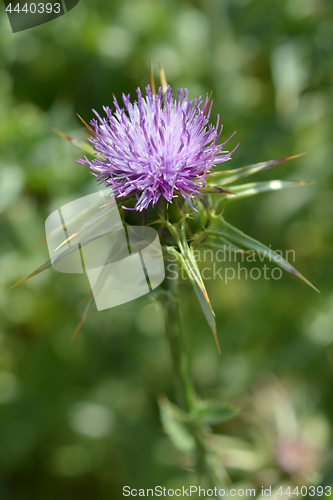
{"x":158,"y":146}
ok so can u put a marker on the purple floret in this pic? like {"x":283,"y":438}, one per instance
{"x":157,"y":146}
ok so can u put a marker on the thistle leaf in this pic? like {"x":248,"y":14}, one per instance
{"x":187,"y":262}
{"x":214,"y":190}
{"x":89,"y":304}
{"x":46,"y":265}
{"x":253,"y":188}
{"x":236,"y":236}
{"x":186,"y":259}
{"x":228,"y":176}
{"x":40,"y":269}
{"x":220,"y":243}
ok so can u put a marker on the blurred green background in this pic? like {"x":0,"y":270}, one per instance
{"x":80,"y":421}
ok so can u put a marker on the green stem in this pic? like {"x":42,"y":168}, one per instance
{"x":185,"y":391}
{"x":184,"y":385}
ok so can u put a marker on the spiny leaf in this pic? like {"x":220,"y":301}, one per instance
{"x":253,"y":188}
{"x":47,"y":265}
{"x":228,"y":176}
{"x":79,"y":144}
{"x":193,"y":266}
{"x":236,"y":236}
{"x":208,"y":241}
{"x":86,"y":311}
{"x":214,"y":190}
{"x":207,"y":310}
{"x":199,"y":289}
{"x":186,"y":259}
{"x":87,"y":295}
{"x":89,"y":304}
{"x":188,"y":254}
{"x":42,"y":268}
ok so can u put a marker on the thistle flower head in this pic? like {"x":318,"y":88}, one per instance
{"x":159,"y":146}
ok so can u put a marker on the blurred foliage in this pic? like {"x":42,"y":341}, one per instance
{"x":81,"y":420}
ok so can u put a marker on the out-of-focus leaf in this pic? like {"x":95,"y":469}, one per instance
{"x":214,"y":412}
{"x":228,"y":176}
{"x":175,"y":426}
{"x":237,"y":453}
{"x":253,"y":188}
{"x":236,"y":236}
